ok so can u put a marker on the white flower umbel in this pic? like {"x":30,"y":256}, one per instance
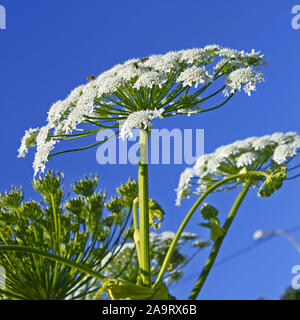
{"x":246,"y":159}
{"x":246,"y":78}
{"x":41,"y":156}
{"x":174,"y":83}
{"x":43,"y":148}
{"x":150,"y":79}
{"x":27,"y":141}
{"x":254,"y":154}
{"x":184,"y":184}
{"x":284,"y":152}
{"x":193,"y":76}
{"x":138,"y":119}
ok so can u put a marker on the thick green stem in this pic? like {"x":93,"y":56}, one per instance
{"x":143,"y":209}
{"x":136,"y":233}
{"x":215,"y":250}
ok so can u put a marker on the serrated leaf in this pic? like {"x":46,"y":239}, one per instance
{"x":273,"y":182}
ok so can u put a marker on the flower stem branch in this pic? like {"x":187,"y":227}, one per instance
{"x":215,"y":250}
{"x":187,"y":218}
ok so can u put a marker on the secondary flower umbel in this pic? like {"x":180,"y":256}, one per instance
{"x":134,"y":93}
{"x":270,"y":154}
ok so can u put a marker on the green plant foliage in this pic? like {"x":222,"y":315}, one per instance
{"x":291,"y":294}
{"x":156,"y":214}
{"x":126,"y":267}
{"x":210,"y":213}
{"x":86,"y":229}
{"x":273,"y":182}
{"x":123,"y":290}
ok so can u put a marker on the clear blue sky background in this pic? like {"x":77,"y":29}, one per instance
{"x":50,"y":47}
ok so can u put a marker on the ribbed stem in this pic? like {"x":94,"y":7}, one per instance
{"x":215,"y":250}
{"x":136,"y":233}
{"x":143,"y":209}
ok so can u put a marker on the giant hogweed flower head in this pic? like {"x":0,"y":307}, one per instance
{"x":270,"y":154}
{"x":135,"y":92}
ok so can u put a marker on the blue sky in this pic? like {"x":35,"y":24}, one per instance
{"x":50,"y":47}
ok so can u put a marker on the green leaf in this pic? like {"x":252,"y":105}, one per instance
{"x":124,"y":290}
{"x":216,"y":232}
{"x":155,"y":213}
{"x":273,"y":182}
{"x":215,"y":229}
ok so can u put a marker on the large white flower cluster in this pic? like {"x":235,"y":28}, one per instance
{"x":149,"y":84}
{"x":255,"y":153}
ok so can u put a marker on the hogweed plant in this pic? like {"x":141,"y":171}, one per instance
{"x":132,"y":94}
{"x":259,"y":162}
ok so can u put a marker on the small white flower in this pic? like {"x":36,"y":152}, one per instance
{"x":244,"y":77}
{"x":184,"y":184}
{"x":42,"y":155}
{"x":167,"y":235}
{"x":213,"y":164}
{"x":27,"y":141}
{"x":196,"y":55}
{"x":283,"y":153}
{"x":164,"y":63}
{"x":138,"y":119}
{"x":193,"y":76}
{"x":188,"y":235}
{"x":149,"y":79}
{"x":246,"y":159}
{"x":263,"y":142}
